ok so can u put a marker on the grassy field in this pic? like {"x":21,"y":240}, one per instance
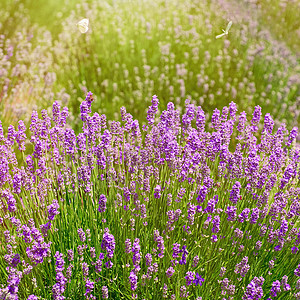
{"x":110,"y":192}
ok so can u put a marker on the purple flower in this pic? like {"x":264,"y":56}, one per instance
{"x":26,"y":234}
{"x":232,"y":110}
{"x":242,"y":122}
{"x":109,"y":264}
{"x":59,"y":287}
{"x":269,"y":123}
{"x":189,"y":277}
{"x":254,"y":289}
{"x":258,"y":245}
{"x":285,"y":286}
{"x":244,"y":215}
{"x":38,"y":252}
{"x":17,"y":183}
{"x":231,"y":212}
{"x":292,"y":136}
{"x":15,"y":260}
{"x":160,"y":243}
{"x":216,"y":224}
{"x":297,"y":271}
{"x":89,"y":287}
{"x":133,"y":281}
{"x":184,"y":255}
{"x":85,"y":270}
{"x":136,"y":258}
{"x":215,"y":119}
{"x":211,"y":204}
{"x":170,"y":271}
{"x":108,"y":243}
{"x":289,"y":172}
{"x":275,"y":288}
{"x":256,"y":117}
{"x":198,"y":280}
{"x":127,"y":246}
{"x":102,"y":203}
{"x":152,"y":110}
{"x":93,"y":252}
{"x":104,"y":292}
{"x":53,"y":210}
{"x":195,"y":261}
{"x":56,"y":112}
{"x":59,"y":262}
{"x":127,"y":194}
{"x":254,"y":216}
{"x":89,"y":98}
{"x":235,"y":193}
{"x":183,"y":292}
{"x":165,"y":291}
{"x":148,"y":258}
{"x":176,"y":250}
{"x":45,"y":228}
{"x":202,"y":192}
{"x":11,"y":201}
{"x":214,"y":238}
{"x":85,"y":107}
{"x":243,"y":267}
{"x":81,"y":234}
{"x":200,"y":119}
{"x":70,"y":255}
{"x":13,"y":281}
{"x":157,"y":191}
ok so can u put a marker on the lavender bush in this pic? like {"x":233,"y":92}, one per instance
{"x":178,"y":208}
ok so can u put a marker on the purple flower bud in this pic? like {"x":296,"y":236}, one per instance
{"x":170,"y":271}
{"x":104,"y":292}
{"x":275,"y":288}
{"x":235,"y":193}
{"x":152,"y":110}
{"x":189,"y":277}
{"x":292,"y":136}
{"x":198,"y":280}
{"x":102,"y":203}
{"x":70,"y":255}
{"x":81,"y":234}
{"x":53,"y":210}
{"x":254,"y":289}
{"x":108,"y":243}
{"x":133,"y":281}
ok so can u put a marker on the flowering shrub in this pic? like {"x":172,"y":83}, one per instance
{"x":178,"y":208}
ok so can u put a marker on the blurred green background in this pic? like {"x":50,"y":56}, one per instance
{"x":135,"y":49}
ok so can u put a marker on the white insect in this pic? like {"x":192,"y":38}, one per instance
{"x":83,"y":25}
{"x":225,"y":32}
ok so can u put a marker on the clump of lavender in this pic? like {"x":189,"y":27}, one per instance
{"x":203,"y":208}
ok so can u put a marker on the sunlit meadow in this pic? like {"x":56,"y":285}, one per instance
{"x":152,"y":160}
{"x":135,"y":49}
